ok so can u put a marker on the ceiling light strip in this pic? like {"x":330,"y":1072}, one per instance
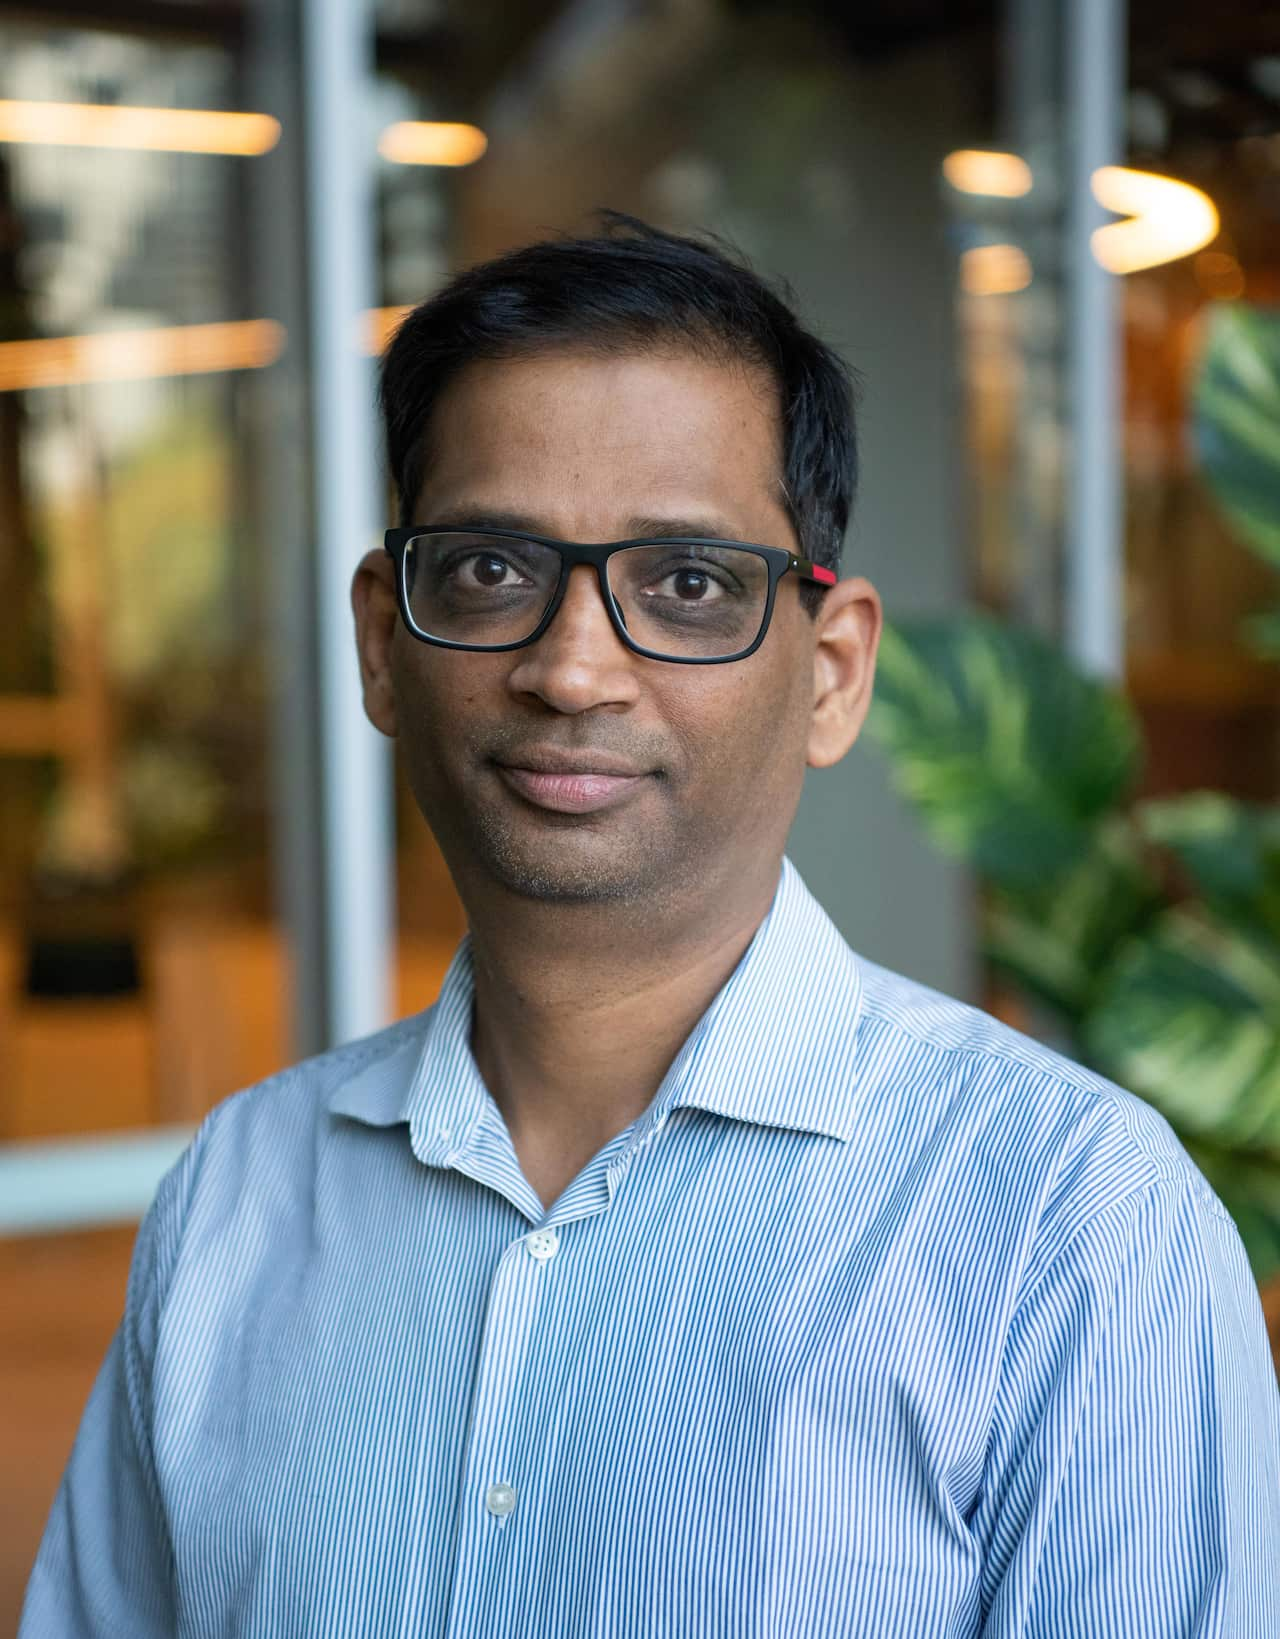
{"x":1166,"y":219}
{"x":124,"y":355}
{"x":432,"y":142}
{"x":985,"y":171}
{"x":167,"y":130}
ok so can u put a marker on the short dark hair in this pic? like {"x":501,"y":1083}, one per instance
{"x":629,"y":287}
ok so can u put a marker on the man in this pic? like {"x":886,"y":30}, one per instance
{"x":678,"y":1273}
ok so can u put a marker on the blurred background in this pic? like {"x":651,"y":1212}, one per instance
{"x":1047,"y":235}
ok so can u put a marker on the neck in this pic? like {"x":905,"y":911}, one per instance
{"x":580,"y":1010}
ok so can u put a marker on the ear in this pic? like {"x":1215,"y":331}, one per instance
{"x":844,"y":666}
{"x":373,"y":600}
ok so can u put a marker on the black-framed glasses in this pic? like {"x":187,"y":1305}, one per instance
{"x":693,"y":601}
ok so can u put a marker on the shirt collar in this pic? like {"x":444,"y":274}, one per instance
{"x":774,"y":1048}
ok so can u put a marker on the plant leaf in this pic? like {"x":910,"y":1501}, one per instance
{"x":1055,"y":941}
{"x":1250,"y":1191}
{"x":1262,"y":633}
{"x":1007,"y":752}
{"x":1236,"y":409}
{"x":1189,"y":1018}
{"x":1229,"y":849}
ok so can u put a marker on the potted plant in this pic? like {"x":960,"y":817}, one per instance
{"x":1142,"y":937}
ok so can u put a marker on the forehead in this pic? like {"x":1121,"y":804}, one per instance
{"x":583,"y":440}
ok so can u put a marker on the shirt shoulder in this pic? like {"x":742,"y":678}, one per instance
{"x":297,"y":1096}
{"x":262,"y":1142}
{"x":1038,"y":1127}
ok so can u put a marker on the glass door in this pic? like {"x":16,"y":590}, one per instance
{"x":145,"y":969}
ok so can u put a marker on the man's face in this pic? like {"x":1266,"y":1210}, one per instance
{"x":584,"y":447}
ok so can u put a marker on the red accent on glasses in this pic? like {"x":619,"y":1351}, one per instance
{"x":826,"y":576}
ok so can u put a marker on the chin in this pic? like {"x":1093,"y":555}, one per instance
{"x":561,"y":883}
{"x":566,"y":869}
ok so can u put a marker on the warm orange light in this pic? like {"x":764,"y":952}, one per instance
{"x":379,"y":325}
{"x":1166,"y":219}
{"x":124,"y":355}
{"x":994,"y":270}
{"x":1219,"y":275}
{"x":432,"y":142}
{"x":982,"y":171}
{"x":171,"y":130}
{"x":184,"y":350}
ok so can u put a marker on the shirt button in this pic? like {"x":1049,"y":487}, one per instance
{"x":542,"y":1244}
{"x":500,"y":1500}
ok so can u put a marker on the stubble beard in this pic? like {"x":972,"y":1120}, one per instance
{"x":554,"y":868}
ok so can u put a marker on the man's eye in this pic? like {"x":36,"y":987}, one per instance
{"x":691,"y":581}
{"x":489,"y":570}
{"x":482,"y":569}
{"x":692,"y":585}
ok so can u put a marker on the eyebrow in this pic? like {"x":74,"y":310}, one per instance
{"x":638,"y":528}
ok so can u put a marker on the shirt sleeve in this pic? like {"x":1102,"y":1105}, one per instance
{"x":1133,"y":1479}
{"x":105,"y":1566}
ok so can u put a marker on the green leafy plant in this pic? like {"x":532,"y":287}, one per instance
{"x":1236,"y":405}
{"x":1149,"y":931}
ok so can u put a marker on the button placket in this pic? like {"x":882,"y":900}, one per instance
{"x":493,"y":1491}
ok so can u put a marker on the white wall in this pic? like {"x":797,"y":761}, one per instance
{"x":830,"y":175}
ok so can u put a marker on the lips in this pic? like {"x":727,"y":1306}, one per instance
{"x":570,"y":791}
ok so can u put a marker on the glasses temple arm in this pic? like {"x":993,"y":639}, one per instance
{"x":814,"y":571}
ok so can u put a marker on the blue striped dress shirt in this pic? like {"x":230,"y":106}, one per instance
{"x":881,"y":1320}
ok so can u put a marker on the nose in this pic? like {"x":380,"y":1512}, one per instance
{"x":579,"y":663}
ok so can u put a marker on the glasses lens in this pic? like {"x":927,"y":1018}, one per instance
{"x":478,"y":589}
{"x":693,"y":602}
